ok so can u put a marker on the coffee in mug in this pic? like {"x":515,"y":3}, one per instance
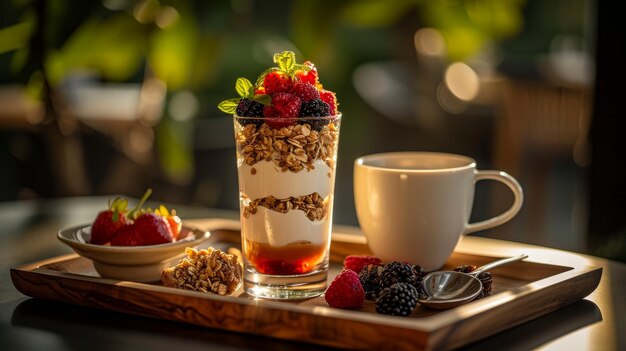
{"x":415,"y":206}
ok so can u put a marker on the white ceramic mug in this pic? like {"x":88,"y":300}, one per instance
{"x":415,"y":206}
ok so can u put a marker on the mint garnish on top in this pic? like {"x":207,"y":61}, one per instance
{"x":287,"y":90}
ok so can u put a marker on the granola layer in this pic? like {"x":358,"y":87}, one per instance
{"x":292,"y":148}
{"x":313,"y":205}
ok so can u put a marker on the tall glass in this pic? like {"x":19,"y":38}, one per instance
{"x":286,"y":171}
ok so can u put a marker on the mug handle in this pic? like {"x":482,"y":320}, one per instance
{"x":510,"y":213}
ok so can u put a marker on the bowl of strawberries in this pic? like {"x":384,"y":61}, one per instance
{"x":132,"y":244}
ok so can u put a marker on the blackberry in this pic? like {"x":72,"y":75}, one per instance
{"x":370,"y":280}
{"x":485,"y":278}
{"x":249,"y":108}
{"x":421,"y":294}
{"x":483,"y":294}
{"x":315,"y":108}
{"x":397,"y":300}
{"x":465,"y":268}
{"x":419,"y":272}
{"x":398,"y":272}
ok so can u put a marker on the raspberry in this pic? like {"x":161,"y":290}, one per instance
{"x":286,"y":105}
{"x":370,"y":280}
{"x":397,"y":272}
{"x":270,"y":111}
{"x":305,"y":91}
{"x":357,"y":262}
{"x":329,"y":97}
{"x":397,"y":300}
{"x":274,"y":120}
{"x":282,"y":112}
{"x":276,"y":82}
{"x":345,"y":291}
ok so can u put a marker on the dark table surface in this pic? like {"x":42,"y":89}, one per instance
{"x":28,"y":234}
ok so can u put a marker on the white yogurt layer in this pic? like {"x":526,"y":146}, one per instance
{"x":268,"y":180}
{"x":278,"y":229}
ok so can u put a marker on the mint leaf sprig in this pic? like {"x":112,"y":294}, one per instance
{"x":245,"y":89}
{"x":286,"y":62}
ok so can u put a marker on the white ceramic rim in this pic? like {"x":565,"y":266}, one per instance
{"x":365,"y":161}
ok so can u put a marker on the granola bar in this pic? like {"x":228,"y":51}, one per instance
{"x":210,"y":271}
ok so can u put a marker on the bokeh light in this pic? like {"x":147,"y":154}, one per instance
{"x":462,"y":81}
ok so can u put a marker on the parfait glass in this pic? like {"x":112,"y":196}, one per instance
{"x":286,"y":171}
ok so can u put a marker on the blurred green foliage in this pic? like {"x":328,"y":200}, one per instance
{"x":201,"y":46}
{"x":15,"y":36}
{"x":118,"y":40}
{"x":468,"y":25}
{"x":114,"y":46}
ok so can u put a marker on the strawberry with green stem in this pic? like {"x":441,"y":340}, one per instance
{"x":148,"y":227}
{"x":308,"y":75}
{"x":109,"y":222}
{"x":286,"y":72}
{"x":277,"y":82}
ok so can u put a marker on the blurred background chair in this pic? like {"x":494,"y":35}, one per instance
{"x":543,"y":128}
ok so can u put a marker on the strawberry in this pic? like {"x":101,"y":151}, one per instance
{"x":176,"y":224}
{"x":148,"y":229}
{"x":172,"y":219}
{"x":305,"y":91}
{"x":329,"y":97}
{"x":154,"y":229}
{"x":345,"y":291}
{"x":276,"y":82}
{"x":127,"y":236}
{"x":357,"y":262}
{"x":309,"y":76}
{"x":110,"y":221}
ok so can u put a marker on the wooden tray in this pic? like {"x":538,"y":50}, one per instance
{"x":521,"y":291}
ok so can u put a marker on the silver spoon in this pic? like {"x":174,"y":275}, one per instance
{"x":447,"y":289}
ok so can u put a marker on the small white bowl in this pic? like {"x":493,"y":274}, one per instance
{"x":133,"y":263}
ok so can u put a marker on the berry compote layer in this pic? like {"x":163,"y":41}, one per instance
{"x":286,"y":183}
